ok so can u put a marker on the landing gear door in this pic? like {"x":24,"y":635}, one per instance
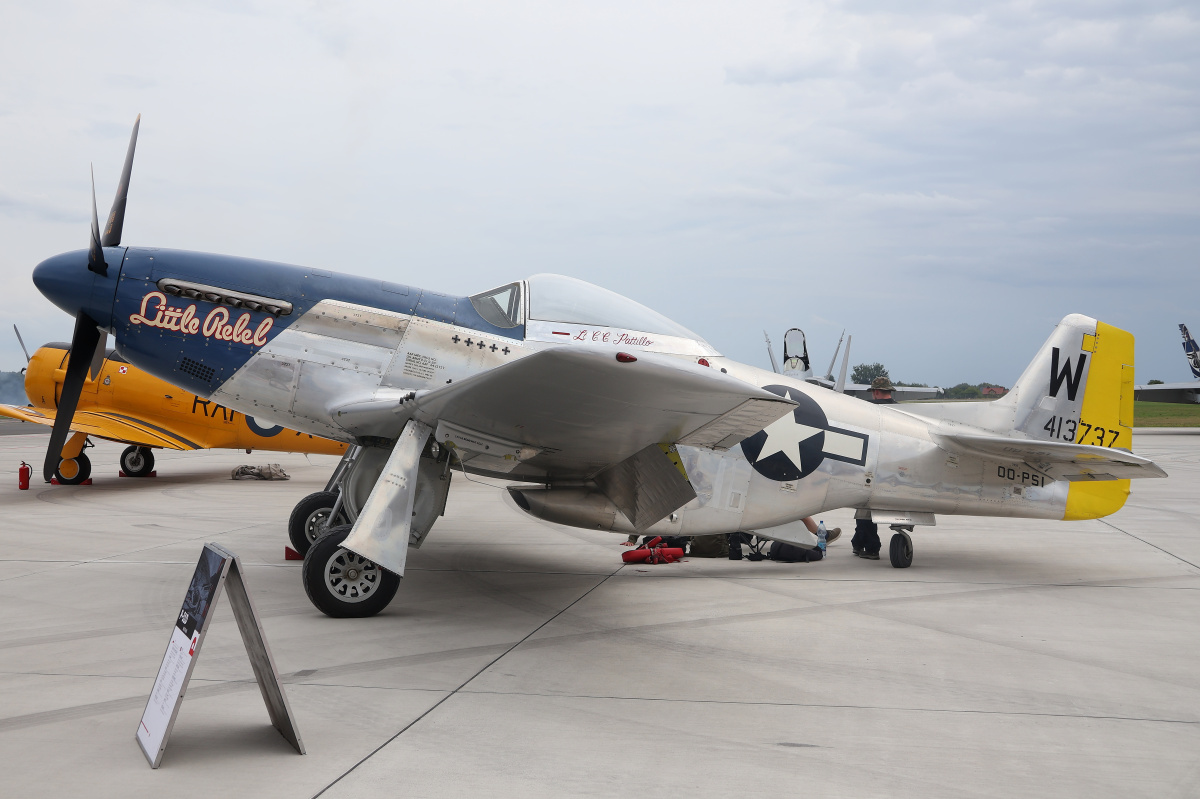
{"x":721,"y":481}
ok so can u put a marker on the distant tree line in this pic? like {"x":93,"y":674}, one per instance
{"x":12,"y":388}
{"x":865,"y":373}
{"x":968,"y":391}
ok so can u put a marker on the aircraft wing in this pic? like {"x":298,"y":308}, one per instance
{"x":1058,"y":459}
{"x":573,"y":412}
{"x":1168,"y":392}
{"x":111,"y":426}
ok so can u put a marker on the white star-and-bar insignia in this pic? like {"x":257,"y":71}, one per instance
{"x":785,"y":435}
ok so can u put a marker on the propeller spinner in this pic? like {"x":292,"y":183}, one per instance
{"x":88,"y":340}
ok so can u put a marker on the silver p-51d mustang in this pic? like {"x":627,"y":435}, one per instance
{"x":605,"y":414}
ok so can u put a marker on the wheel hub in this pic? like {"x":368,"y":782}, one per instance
{"x":317,"y":524}
{"x":351,"y":577}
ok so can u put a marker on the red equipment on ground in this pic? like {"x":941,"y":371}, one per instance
{"x":653,"y":552}
{"x":23,"y":474}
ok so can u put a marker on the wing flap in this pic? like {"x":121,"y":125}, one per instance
{"x":647,"y":485}
{"x":1060,"y":460}
{"x":732,"y":426}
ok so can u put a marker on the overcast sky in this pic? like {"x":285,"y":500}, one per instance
{"x":944,"y":182}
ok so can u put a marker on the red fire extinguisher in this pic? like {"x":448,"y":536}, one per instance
{"x":23,"y":475}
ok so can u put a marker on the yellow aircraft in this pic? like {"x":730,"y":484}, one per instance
{"x":122,"y":403}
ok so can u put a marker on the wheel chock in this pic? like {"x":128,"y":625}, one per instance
{"x":121,"y":473}
{"x":54,"y":482}
{"x":291,"y":554}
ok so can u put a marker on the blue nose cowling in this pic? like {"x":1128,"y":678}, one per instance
{"x":67,"y":282}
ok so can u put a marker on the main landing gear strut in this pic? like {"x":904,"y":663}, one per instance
{"x":317,"y":513}
{"x":389,"y":500}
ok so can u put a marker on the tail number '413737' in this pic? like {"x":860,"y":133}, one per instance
{"x":1080,"y":433}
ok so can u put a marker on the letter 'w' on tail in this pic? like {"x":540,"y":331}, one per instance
{"x":1058,"y":377}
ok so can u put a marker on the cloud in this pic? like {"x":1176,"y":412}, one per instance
{"x":819,"y":164}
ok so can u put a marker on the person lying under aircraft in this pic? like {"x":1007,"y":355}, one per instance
{"x":124,"y":404}
{"x":1178,"y":393}
{"x":606,"y":414}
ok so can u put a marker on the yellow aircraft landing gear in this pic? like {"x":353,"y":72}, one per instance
{"x":73,"y":471}
{"x":137,"y":461}
{"x":73,"y":467}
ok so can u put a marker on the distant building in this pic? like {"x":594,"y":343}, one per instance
{"x":994,"y":391}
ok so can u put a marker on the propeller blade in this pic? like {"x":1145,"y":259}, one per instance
{"x":116,"y":217}
{"x":95,"y":253}
{"x":83,"y":345}
{"x":21,"y":341}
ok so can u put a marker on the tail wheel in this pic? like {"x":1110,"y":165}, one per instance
{"x":73,"y":471}
{"x":343,"y":584}
{"x":901,"y":550}
{"x":310,"y":519}
{"x":137,"y":461}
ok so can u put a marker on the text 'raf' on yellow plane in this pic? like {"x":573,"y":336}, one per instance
{"x":122,"y":403}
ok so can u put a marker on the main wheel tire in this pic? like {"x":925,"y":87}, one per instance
{"x":901,"y":550}
{"x":137,"y":461}
{"x":342,"y":584}
{"x":73,"y":471}
{"x":310,"y":519}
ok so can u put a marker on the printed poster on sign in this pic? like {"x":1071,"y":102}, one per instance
{"x":181,"y":653}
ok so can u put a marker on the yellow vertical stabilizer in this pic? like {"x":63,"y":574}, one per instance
{"x":1107,"y":407}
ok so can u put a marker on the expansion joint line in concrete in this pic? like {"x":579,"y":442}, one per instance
{"x":467,"y":682}
{"x":1144,"y":541}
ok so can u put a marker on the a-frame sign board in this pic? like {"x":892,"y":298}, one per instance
{"x":217,"y":568}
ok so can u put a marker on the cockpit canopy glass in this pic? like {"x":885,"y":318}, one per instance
{"x":555,"y":298}
{"x":500,"y":307}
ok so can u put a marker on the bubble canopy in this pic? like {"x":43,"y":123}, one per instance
{"x":555,"y":298}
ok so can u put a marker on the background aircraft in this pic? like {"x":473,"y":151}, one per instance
{"x":1177,"y":392}
{"x":614,"y":416}
{"x":126,"y":405}
{"x":796,"y":364}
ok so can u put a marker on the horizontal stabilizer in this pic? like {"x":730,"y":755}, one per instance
{"x":1057,"y":459}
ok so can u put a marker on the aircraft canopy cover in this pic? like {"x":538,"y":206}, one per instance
{"x":556,"y":298}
